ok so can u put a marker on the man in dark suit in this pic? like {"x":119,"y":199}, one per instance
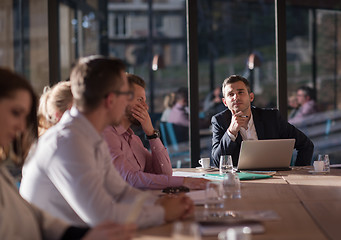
{"x":241,"y":121}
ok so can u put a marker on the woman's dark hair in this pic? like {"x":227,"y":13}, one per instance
{"x":308,"y":91}
{"x":182,"y":94}
{"x":11,"y":82}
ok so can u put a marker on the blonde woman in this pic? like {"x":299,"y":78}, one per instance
{"x":168,"y":103}
{"x":53,"y":103}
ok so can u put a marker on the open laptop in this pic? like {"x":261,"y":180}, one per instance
{"x":273,"y":154}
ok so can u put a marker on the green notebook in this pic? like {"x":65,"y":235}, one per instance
{"x":241,"y":175}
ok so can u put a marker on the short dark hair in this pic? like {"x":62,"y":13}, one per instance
{"x":308,"y":91}
{"x":134,"y":79}
{"x":182,"y":94}
{"x":93,"y":78}
{"x":235,"y":78}
{"x":11,"y":82}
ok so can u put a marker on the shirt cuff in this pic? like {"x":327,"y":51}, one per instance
{"x":232,"y":137}
{"x":156,"y":144}
{"x":176,"y":181}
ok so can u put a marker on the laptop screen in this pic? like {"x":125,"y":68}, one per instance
{"x":272,"y":154}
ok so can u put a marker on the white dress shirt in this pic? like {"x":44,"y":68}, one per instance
{"x":21,"y":220}
{"x":247,"y":134}
{"x":70,"y":175}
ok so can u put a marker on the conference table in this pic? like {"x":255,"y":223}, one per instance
{"x":308,"y":206}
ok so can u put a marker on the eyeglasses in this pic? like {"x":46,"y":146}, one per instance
{"x":129,"y":94}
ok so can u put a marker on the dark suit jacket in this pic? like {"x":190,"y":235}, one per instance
{"x":268,"y":124}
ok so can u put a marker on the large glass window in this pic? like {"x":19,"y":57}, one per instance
{"x":151,"y":37}
{"x":7,"y":34}
{"x":235,"y":37}
{"x":313,"y":60}
{"x":79,"y":33}
{"x":24,"y":42}
{"x":68,"y":25}
{"x":24,"y":39}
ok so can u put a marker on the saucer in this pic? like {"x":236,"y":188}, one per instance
{"x":314,"y":172}
{"x":210,"y":169}
{"x":203,"y":168}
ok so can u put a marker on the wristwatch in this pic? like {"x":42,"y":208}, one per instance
{"x":156,"y":134}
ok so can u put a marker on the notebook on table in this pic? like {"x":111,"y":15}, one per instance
{"x":272,"y":154}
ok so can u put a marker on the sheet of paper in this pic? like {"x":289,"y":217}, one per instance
{"x":271,"y":173}
{"x":249,"y":215}
{"x":199,"y":196}
{"x":216,"y":229}
{"x":261,"y":215}
{"x":187,"y":174}
{"x":335,"y":165}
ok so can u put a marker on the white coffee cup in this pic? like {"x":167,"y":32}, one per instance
{"x":205,"y":162}
{"x":318,"y":166}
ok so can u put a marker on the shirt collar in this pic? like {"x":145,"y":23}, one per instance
{"x":250,"y":121}
{"x":121,"y":130}
{"x":84,"y":124}
{"x":250,"y":124}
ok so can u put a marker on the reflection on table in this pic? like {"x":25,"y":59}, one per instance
{"x":308,"y":205}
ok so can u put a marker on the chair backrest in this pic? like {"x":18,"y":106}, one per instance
{"x":172,"y":134}
{"x":164,"y":134}
{"x":180,"y":132}
{"x":174,"y":138}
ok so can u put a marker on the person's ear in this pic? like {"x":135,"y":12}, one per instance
{"x":224,"y":101}
{"x":108,"y":101}
{"x":252,"y":97}
{"x":58,"y":115}
{"x":69,"y":106}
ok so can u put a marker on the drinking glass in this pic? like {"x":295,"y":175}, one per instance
{"x":231,"y":186}
{"x":325,"y":159}
{"x":214,"y":199}
{"x":237,"y":233}
{"x":318,"y":166}
{"x":186,"y":231}
{"x":225,"y":164}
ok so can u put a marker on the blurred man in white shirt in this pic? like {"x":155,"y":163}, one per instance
{"x":70,"y":174}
